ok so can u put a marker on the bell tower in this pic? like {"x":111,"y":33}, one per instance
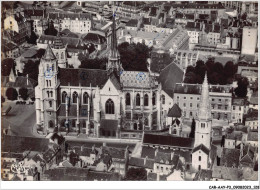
{"x":59,"y":50}
{"x":204,"y":121}
{"x":46,"y":92}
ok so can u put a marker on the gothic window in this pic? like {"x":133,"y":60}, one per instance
{"x":52,"y":68}
{"x":146,"y":100}
{"x":48,"y":93}
{"x":75,"y":96}
{"x":202,"y":125}
{"x":50,"y":82}
{"x":191,"y":114}
{"x":199,"y":167}
{"x":127,"y":99}
{"x":51,"y":93}
{"x":85,"y":98}
{"x":110,"y":107}
{"x":199,"y":158}
{"x":163,"y":99}
{"x":47,"y":82}
{"x":57,"y":55}
{"x":62,"y":55}
{"x":63,"y":98}
{"x":135,"y":126}
{"x":50,"y":103}
{"x":154,"y":99}
{"x":137,"y":99}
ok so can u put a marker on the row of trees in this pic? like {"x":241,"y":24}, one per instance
{"x":217,"y":74}
{"x":12,"y":93}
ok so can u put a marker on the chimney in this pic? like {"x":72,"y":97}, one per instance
{"x":172,"y":154}
{"x":156,"y":151}
{"x":145,"y":159}
{"x":158,"y":177}
{"x":27,"y":80}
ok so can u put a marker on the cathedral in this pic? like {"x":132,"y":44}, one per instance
{"x":92,"y":101}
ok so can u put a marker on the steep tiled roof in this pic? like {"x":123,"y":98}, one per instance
{"x":131,"y":79}
{"x":202,"y":148}
{"x":84,"y":77}
{"x":169,"y":76}
{"x":168,"y":140}
{"x":175,"y":111}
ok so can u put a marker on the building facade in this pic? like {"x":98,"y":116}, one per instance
{"x":76,"y":100}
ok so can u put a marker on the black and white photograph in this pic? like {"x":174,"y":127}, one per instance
{"x":130,"y":91}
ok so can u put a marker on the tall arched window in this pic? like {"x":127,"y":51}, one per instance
{"x":154,"y":99}
{"x":50,"y":103}
{"x":137,"y":99}
{"x":110,"y":107}
{"x":62,"y":55}
{"x":85,"y":98}
{"x":51,"y":93}
{"x":63,"y":97}
{"x":163,"y":99}
{"x":75,"y":96}
{"x":127,"y":99}
{"x":146,"y":100}
{"x":48,"y":93}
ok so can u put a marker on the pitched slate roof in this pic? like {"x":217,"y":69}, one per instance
{"x":168,"y":140}
{"x":20,"y":144}
{"x":140,"y":162}
{"x":169,"y":76}
{"x":201,"y":147}
{"x":84,"y":77}
{"x":175,"y":111}
{"x":132,"y":23}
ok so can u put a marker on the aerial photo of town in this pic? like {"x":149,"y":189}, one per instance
{"x":129,"y":91}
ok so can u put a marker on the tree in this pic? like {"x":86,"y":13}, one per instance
{"x":7,"y":65}
{"x":40,"y":53}
{"x":192,"y":132}
{"x":136,"y":174}
{"x":11,"y":94}
{"x":23,"y":92}
{"x":32,"y":39}
{"x":51,"y":30}
{"x":82,"y":57}
{"x":32,"y":69}
{"x":241,"y":90}
{"x":134,"y":56}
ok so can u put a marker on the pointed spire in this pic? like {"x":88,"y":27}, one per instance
{"x":49,"y":53}
{"x":204,"y":110}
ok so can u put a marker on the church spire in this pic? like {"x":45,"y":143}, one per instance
{"x":114,"y":56}
{"x":49,"y":53}
{"x":204,"y":110}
